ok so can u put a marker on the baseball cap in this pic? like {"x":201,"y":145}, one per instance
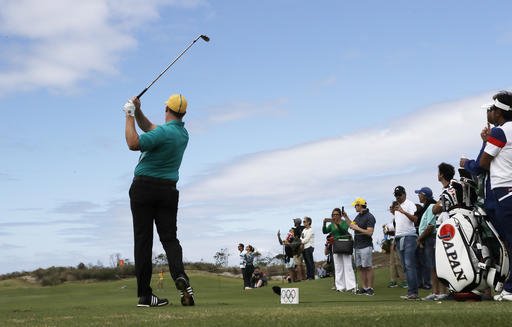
{"x":177,"y":103}
{"x":426,"y":191}
{"x":359,"y":201}
{"x":297,"y":220}
{"x":399,"y":190}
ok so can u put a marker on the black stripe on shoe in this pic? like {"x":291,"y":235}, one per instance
{"x":152,"y":301}
{"x":185,"y":290}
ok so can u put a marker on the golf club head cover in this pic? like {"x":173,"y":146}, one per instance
{"x":129,"y":108}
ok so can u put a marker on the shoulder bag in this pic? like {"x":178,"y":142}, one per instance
{"x":343,"y":246}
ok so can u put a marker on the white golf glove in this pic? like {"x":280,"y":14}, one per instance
{"x":129,"y":108}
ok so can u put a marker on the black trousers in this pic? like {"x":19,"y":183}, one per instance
{"x":243,"y":274}
{"x":247,"y":274}
{"x":154,"y":200}
{"x":309,"y":261}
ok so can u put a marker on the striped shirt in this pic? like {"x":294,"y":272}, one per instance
{"x":499,"y":146}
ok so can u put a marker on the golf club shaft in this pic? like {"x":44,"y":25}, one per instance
{"x":204,"y":37}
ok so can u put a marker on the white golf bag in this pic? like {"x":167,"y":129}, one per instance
{"x":469,"y":254}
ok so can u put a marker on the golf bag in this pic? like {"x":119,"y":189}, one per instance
{"x":469,"y":254}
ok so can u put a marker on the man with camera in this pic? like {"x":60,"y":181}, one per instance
{"x":406,"y":240}
{"x":396,"y":271}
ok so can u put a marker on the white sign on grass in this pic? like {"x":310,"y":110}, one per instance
{"x":289,"y":296}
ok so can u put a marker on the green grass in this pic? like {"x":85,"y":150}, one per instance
{"x":222,"y":302}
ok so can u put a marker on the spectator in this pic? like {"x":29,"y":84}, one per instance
{"x":425,"y":244}
{"x":293,"y":249}
{"x":484,"y":185}
{"x":473,"y":167}
{"x":451,"y":197}
{"x":497,"y":158}
{"x":329,"y":264}
{"x":298,"y":258}
{"x":258,"y":279}
{"x":363,"y":225}
{"x":297,"y":227}
{"x":160,"y":284}
{"x":396,"y":271}
{"x":320,"y":271}
{"x":308,"y":240}
{"x":344,"y":278}
{"x":286,"y":242}
{"x":405,"y":240}
{"x":426,"y":240}
{"x":249,"y":266}
{"x":289,"y":262}
{"x":420,"y":269}
{"x":242,"y":260}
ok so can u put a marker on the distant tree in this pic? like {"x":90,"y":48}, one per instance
{"x":81,"y":266}
{"x":221,"y":258}
{"x":160,"y":260}
{"x":266,"y":260}
{"x":257,"y":257}
{"x":279,"y":257}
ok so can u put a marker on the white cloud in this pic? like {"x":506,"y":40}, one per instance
{"x":441,"y":132}
{"x":59,"y":43}
{"x":75,"y":207}
{"x":235,"y":111}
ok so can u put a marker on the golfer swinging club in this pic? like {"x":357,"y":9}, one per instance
{"x":153,"y":194}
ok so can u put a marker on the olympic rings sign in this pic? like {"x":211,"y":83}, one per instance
{"x":289,"y":296}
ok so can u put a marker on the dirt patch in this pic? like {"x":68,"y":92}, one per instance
{"x":29,"y":279}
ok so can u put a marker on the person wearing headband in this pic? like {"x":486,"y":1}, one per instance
{"x":473,"y":166}
{"x":497,"y":158}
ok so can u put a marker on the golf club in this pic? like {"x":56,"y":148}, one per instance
{"x":204,"y":37}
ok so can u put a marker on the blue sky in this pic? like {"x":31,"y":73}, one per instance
{"x":294,"y":108}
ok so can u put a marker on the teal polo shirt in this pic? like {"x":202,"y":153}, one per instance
{"x":428,"y":218}
{"x":339,"y":232}
{"x":162,"y":150}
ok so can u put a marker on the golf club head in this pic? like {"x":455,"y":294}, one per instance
{"x":205,"y":38}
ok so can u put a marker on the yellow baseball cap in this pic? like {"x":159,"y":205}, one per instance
{"x":177,"y":103}
{"x":359,"y":201}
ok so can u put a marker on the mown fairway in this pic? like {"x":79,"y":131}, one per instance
{"x":221,"y":302}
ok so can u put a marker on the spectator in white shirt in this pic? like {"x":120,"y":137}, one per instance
{"x":308,"y":240}
{"x":405,"y":240}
